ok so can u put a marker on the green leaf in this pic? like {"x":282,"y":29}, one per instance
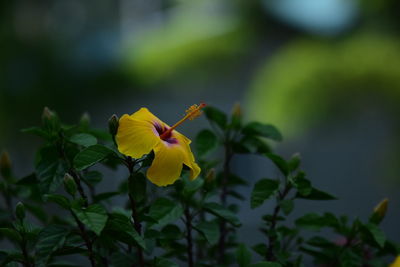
{"x":165,"y":211}
{"x":36,"y":131}
{"x":12,"y":258}
{"x":37,"y":211}
{"x":137,"y":186}
{"x":243,"y":256}
{"x":303,"y":185}
{"x":163,"y":262}
{"x":120,"y":227}
{"x":264,"y":130}
{"x":104,"y":196}
{"x":279,"y":162}
{"x":260,"y":249}
{"x":266,"y":264}
{"x":217,"y":116}
{"x":222,"y":212}
{"x":294,"y":162}
{"x":315,"y":221}
{"x":262,"y":190}
{"x":321,"y":242}
{"x":90,"y":156}
{"x":316,"y":194}
{"x":287,"y":206}
{"x":209,"y":230}
{"x":58,"y":199}
{"x":50,"y":239}
{"x":191,"y":187}
{"x":83,"y":139}
{"x":50,"y":170}
{"x":251,"y":144}
{"x":11,"y":234}
{"x":93,"y":177}
{"x":377,"y":234}
{"x":123,"y":259}
{"x":206,"y":141}
{"x":94,"y":217}
{"x":28,"y":180}
{"x":170,"y":231}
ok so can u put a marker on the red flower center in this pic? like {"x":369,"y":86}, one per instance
{"x":164,"y":134}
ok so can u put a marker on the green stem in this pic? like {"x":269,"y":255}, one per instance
{"x":73,"y":172}
{"x":25,"y":253}
{"x":270,"y":256}
{"x":136,"y":223}
{"x":86,"y":239}
{"x":188,"y":222}
{"x":223,"y":198}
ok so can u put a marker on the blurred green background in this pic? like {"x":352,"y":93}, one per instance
{"x":326,"y":72}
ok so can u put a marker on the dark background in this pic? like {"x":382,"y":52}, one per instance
{"x":325,"y":72}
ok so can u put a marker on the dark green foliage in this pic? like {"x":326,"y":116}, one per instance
{"x":263,"y":130}
{"x":165,"y":211}
{"x":262,"y":190}
{"x":50,"y":239}
{"x":243,"y":255}
{"x":206,"y":141}
{"x":209,"y":230}
{"x":190,"y":223}
{"x":90,"y":156}
{"x":83,"y":139}
{"x":216,"y":116}
{"x":224,"y":213}
{"x":93,"y":216}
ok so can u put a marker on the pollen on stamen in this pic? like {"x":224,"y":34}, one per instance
{"x":195,"y":111}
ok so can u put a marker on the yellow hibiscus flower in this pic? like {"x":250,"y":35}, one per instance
{"x":142,"y":132}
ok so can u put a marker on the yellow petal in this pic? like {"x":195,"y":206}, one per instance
{"x":188,"y":158}
{"x":396,"y":262}
{"x":136,"y":134}
{"x":167,"y":164}
{"x":144,"y":114}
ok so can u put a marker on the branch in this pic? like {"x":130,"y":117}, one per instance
{"x":136,"y":223}
{"x":270,"y":256}
{"x":87,"y":240}
{"x":223,"y":197}
{"x":188,"y":223}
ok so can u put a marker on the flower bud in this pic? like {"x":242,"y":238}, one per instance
{"x":237,"y":110}
{"x":85,"y":120}
{"x":380,"y":211}
{"x":5,"y":165}
{"x":236,"y":116}
{"x":50,"y":120}
{"x":47,"y":114}
{"x":381,"y":208}
{"x":113,"y":124}
{"x":210,"y":176}
{"x":69,"y":184}
{"x":20,"y":211}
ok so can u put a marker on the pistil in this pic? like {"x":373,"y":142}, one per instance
{"x":191,"y":113}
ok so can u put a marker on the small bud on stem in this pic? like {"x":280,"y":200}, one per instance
{"x":20,"y":211}
{"x":210,"y":176}
{"x":50,"y":120}
{"x":236,"y":116}
{"x":5,"y":165}
{"x":379,"y":211}
{"x":113,"y":124}
{"x":85,"y":120}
